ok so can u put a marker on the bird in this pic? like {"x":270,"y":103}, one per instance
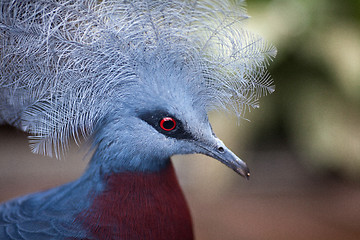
{"x":136,"y":79}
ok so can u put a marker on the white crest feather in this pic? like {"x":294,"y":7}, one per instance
{"x":62,"y":62}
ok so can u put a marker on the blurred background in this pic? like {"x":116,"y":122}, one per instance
{"x":302,"y":145}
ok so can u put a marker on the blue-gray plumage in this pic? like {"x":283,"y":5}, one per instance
{"x":137,"y":78}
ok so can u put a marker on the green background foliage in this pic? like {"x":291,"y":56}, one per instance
{"x":315,"y":110}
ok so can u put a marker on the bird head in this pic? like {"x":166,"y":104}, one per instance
{"x":139,"y":77}
{"x":165,"y":115}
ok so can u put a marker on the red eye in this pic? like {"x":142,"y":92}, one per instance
{"x":167,"y":124}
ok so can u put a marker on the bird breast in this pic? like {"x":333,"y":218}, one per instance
{"x":137,"y":205}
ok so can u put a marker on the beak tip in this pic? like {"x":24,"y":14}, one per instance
{"x":247,"y":175}
{"x":244,"y":171}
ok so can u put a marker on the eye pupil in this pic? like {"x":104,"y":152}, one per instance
{"x":167,"y":124}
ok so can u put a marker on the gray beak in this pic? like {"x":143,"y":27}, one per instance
{"x":220,"y":152}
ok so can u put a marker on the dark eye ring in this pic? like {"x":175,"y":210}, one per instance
{"x":167,"y":124}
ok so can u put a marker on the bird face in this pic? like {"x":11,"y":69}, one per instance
{"x":145,"y":138}
{"x":162,"y":117}
{"x":193,"y":136}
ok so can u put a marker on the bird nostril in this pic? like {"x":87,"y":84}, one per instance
{"x":221,"y":149}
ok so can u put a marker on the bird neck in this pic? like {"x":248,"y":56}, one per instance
{"x":117,"y":160}
{"x":139,"y":205}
